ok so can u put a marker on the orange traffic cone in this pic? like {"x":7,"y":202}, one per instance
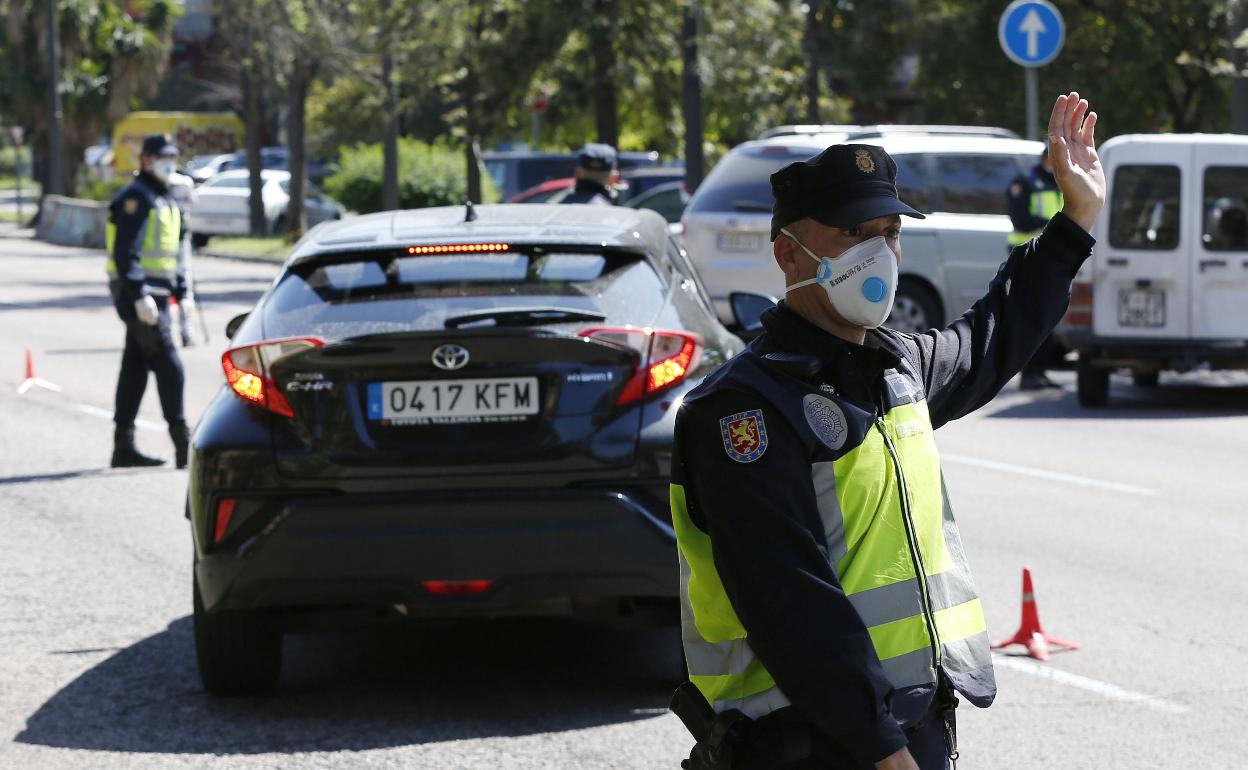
{"x":1030,"y":634}
{"x":32,"y":380}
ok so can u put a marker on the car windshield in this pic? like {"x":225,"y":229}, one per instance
{"x":370,"y":292}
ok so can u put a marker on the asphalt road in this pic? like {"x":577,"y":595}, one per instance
{"x":1131,"y":518}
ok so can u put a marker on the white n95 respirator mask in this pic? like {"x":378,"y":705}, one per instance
{"x":163,"y":169}
{"x":861,"y":282}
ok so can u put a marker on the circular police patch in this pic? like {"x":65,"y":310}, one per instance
{"x":744,"y":435}
{"x":826,"y":419}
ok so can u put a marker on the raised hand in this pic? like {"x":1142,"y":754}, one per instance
{"x":1072,"y":153}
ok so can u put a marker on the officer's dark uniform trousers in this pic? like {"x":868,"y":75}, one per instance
{"x":779,"y":467}
{"x":136,"y":268}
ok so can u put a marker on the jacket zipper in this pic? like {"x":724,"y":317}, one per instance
{"x":912,"y":540}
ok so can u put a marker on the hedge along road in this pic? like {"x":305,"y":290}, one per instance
{"x":98,"y":669}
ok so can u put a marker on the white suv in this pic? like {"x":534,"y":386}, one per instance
{"x":947,"y":259}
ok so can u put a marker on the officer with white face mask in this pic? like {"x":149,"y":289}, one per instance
{"x":829,"y":618}
{"x":144,"y":234}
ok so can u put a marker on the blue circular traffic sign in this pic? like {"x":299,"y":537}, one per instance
{"x":1031,"y":32}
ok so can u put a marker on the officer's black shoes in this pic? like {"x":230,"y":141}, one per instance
{"x":127,"y":455}
{"x":181,"y":436}
{"x":1036,"y":382}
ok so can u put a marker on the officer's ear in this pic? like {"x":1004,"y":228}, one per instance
{"x":787,"y":255}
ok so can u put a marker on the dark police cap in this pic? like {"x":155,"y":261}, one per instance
{"x":844,"y":185}
{"x":596,"y":157}
{"x":159,"y":144}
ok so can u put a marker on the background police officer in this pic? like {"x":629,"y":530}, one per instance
{"x":144,"y":234}
{"x":828,"y":611}
{"x":594,"y":166}
{"x":1033,"y":199}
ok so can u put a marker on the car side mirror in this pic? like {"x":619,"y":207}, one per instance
{"x":231,"y":328}
{"x":747,"y":310}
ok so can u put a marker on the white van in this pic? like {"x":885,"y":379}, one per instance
{"x":1166,"y":288}
{"x":948,"y":259}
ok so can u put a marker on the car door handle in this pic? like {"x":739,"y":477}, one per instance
{"x":1117,"y":262}
{"x":1207,"y":263}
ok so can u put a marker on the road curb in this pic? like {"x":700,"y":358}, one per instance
{"x":242,"y":257}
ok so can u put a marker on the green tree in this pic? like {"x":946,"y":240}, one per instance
{"x":110,"y":58}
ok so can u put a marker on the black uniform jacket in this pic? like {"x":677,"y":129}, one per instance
{"x":589,"y":191}
{"x":1018,"y":197}
{"x":766,"y":534}
{"x":129,"y":211}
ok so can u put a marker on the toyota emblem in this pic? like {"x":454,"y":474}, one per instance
{"x":450,"y":357}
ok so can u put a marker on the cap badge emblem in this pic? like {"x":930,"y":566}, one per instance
{"x":865,"y":164}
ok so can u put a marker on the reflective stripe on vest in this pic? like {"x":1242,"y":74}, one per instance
{"x":159,"y":255}
{"x":1043,"y":203}
{"x":860,"y":503}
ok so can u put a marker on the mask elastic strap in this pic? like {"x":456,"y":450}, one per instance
{"x":810,"y":254}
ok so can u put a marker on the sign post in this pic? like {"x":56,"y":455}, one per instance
{"x":1031,"y":33}
{"x":537,"y":107}
{"x":18,"y":135}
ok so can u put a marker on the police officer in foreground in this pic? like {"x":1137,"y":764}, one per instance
{"x":1033,"y":199}
{"x":828,"y":613}
{"x":594,"y":165}
{"x":144,"y":234}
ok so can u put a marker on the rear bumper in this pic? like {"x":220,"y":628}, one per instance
{"x":1156,"y":354}
{"x":546,"y":552}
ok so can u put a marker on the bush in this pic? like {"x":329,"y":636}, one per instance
{"x":429,"y":175}
{"x":100,"y":190}
{"x":8,"y":161}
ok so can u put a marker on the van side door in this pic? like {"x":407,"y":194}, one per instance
{"x":1140,"y":274}
{"x":1219,"y":219}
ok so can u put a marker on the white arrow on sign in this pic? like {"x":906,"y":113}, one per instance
{"x":1033,"y":27}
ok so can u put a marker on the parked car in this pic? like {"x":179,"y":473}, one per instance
{"x":627,"y":185}
{"x":201,"y":168}
{"x":515,"y":171}
{"x":1167,"y":287}
{"x":447,"y":413}
{"x":223,"y":205}
{"x":948,"y":258}
{"x":668,"y":199}
{"x":550,"y":191}
{"x":277,"y":159}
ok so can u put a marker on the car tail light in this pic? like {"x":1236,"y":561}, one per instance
{"x":666,"y":357}
{"x":457,"y":587}
{"x":247,"y":370}
{"x":1080,"y":311}
{"x":221,"y":522}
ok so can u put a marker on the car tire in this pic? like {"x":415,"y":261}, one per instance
{"x":1145,"y":379}
{"x":237,"y":652}
{"x":199,"y":240}
{"x":1092,"y":384}
{"x":915,"y":308}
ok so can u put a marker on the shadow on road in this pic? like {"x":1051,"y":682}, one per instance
{"x":370,"y":689}
{"x":102,"y":299}
{"x":1185,"y":399}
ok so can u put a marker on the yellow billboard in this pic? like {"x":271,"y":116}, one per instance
{"x":195,"y":133}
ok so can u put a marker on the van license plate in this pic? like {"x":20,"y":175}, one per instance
{"x":1141,"y":308}
{"x":739,"y":241}
{"x":444,"y":402}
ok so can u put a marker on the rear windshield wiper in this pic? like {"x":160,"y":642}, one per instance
{"x":752,"y":206}
{"x":523,"y":316}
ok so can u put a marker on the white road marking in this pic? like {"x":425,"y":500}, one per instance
{"x":1040,"y":473}
{"x":104,"y":414}
{"x":1112,"y":691}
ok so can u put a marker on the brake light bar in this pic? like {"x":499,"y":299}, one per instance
{"x":457,"y":587}
{"x":665,"y":357}
{"x":247,"y":370}
{"x":459,"y":248}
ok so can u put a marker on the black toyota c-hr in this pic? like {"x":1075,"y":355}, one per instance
{"x":447,"y":413}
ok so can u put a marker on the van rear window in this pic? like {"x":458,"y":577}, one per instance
{"x":1144,"y":212}
{"x":1225,"y":219}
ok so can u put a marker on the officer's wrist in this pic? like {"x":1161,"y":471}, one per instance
{"x":1083,"y":216}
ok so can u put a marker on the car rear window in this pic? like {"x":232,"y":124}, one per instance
{"x":1226,"y":208}
{"x":1144,"y":211}
{"x":368,"y":292}
{"x":976,"y":183}
{"x":742,"y":180}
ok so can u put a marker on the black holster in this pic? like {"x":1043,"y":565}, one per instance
{"x":721,"y":738}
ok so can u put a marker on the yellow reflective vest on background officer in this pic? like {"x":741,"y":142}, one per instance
{"x":1033,"y":199}
{"x":143,"y":237}
{"x":823,"y":579}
